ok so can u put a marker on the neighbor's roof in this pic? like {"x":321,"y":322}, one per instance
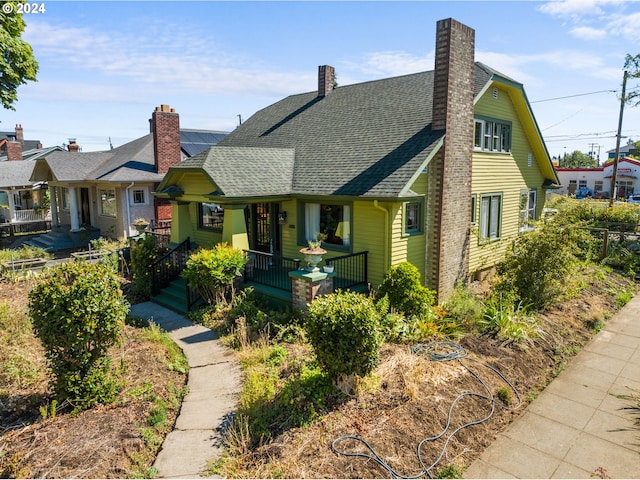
{"x":16,"y":173}
{"x":131,"y":162}
{"x":34,"y":153}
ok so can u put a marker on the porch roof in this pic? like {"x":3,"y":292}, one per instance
{"x":264,"y":171}
{"x":16,"y":173}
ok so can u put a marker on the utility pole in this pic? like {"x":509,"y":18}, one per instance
{"x":614,"y":177}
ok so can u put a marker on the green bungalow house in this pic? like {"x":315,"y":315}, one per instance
{"x":440,"y":168}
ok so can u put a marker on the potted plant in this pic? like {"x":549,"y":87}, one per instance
{"x":140,"y":224}
{"x":313,"y":253}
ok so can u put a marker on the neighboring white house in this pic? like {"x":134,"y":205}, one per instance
{"x":598,"y":179}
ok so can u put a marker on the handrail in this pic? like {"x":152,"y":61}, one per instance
{"x":350,"y":270}
{"x":270,"y":269}
{"x":169,"y":266}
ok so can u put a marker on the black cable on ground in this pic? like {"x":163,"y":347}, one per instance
{"x":437,"y":352}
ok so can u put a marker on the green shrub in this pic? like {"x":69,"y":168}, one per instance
{"x":144,"y":253}
{"x":23,"y":253}
{"x":212,"y":271}
{"x":538,"y":265}
{"x":405,"y":291}
{"x":464,"y":307}
{"x":344,"y":330}
{"x":78,"y":313}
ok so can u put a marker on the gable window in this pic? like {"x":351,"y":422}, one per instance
{"x":210,"y":216}
{"x":139,"y":196}
{"x":412,"y":218}
{"x":332,"y":221}
{"x":492,"y":135}
{"x":490,"y":211}
{"x":527,"y":209}
{"x":107,"y":202}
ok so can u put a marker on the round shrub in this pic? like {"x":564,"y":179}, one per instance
{"x":405,"y":291}
{"x":344,"y":330}
{"x":78,"y":313}
{"x":144,"y":253}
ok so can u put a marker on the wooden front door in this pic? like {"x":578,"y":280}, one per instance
{"x":264,"y":231}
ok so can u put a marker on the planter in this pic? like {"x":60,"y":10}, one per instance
{"x":328,"y":268}
{"x":313,"y":256}
{"x":140,"y":227}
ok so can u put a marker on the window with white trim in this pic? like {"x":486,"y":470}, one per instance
{"x":412,"y":218}
{"x":332,"y":221}
{"x":210,"y":216}
{"x":107,"y":202}
{"x":139,"y":196}
{"x":492,"y":135}
{"x":527,"y":209}
{"x":490,"y":213}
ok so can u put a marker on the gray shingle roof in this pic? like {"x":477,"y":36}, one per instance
{"x":15,"y":173}
{"x":265,"y":171}
{"x":367,"y":139}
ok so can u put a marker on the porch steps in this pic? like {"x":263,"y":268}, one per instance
{"x":174,"y":297}
{"x":63,"y":239}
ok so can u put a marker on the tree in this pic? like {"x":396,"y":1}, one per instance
{"x":17,"y":63}
{"x":578,"y":159}
{"x":632,"y":66}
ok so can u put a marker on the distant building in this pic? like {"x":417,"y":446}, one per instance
{"x":625,"y":150}
{"x":598,"y":179}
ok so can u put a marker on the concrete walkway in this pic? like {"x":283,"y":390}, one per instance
{"x":578,"y":426}
{"x":214,"y":387}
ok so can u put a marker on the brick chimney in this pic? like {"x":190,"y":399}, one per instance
{"x":20,"y":134}
{"x":326,"y":80}
{"x":14,"y":150}
{"x":165,"y":128}
{"x":453,"y":94}
{"x":73,"y":146}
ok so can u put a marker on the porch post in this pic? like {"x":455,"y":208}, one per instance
{"x":12,"y":206}
{"x":53,"y":197}
{"x":181,"y":226}
{"x":234,"y":227}
{"x":305,"y":286}
{"x":73,"y":209}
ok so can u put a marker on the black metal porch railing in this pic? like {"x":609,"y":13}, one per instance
{"x":162,"y":239}
{"x":270,"y":269}
{"x":168,"y":268}
{"x":350,"y":270}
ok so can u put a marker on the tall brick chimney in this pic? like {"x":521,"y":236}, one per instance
{"x":20,"y":134}
{"x":326,"y":80}
{"x":165,"y":127}
{"x":14,"y":150}
{"x":453,"y":94}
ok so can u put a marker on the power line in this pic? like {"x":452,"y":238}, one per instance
{"x":572,"y":96}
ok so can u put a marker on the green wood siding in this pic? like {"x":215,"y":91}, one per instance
{"x":507,"y":174}
{"x":368,"y":234}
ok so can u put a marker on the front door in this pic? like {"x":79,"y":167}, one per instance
{"x":264,"y":231}
{"x":85,"y":207}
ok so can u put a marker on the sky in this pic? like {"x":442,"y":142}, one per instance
{"x":106,"y":65}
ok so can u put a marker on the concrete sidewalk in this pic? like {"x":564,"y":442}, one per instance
{"x":214,"y":387}
{"x":578,"y":426}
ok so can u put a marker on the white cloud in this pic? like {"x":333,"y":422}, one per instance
{"x":626,"y":26}
{"x":588,"y":33}
{"x":388,"y":64}
{"x":169,"y":62}
{"x":577,"y":8}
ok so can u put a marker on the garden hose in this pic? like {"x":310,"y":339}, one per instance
{"x":437,"y":352}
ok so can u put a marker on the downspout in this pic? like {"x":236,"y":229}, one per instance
{"x":387,"y":253}
{"x":126,"y":190}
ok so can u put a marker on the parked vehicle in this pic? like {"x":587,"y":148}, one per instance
{"x":634,"y":198}
{"x":583,"y":192}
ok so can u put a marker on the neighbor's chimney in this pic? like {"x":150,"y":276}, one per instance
{"x":14,"y":150}
{"x":19,"y":134}
{"x":165,"y":127}
{"x":326,"y":80}
{"x":453,"y":94}
{"x":73,"y":146}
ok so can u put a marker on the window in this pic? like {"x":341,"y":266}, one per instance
{"x":582,"y":184}
{"x":527,"y":208}
{"x":412,"y":218}
{"x":139,"y":196}
{"x":108,"y":203}
{"x":490,"y":210}
{"x":332,"y":221}
{"x":597,"y":186}
{"x":492,"y":135}
{"x":210,"y":216}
